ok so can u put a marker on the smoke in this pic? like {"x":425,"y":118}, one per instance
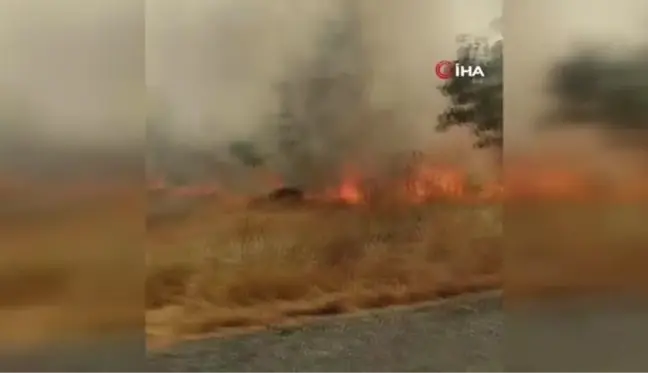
{"x":71,"y":88}
{"x":216,"y":62}
{"x":76,"y":67}
{"x":219,"y":66}
{"x":79,"y":79}
{"x":540,"y":34}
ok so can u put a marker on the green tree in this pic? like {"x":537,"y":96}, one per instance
{"x":476,"y":103}
{"x":590,"y":88}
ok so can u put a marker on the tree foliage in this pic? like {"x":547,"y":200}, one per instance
{"x":589,"y":88}
{"x":476,"y":103}
{"x":609,"y":92}
{"x":592,"y":88}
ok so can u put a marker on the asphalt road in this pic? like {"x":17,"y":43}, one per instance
{"x":470,"y":333}
{"x":459,"y":335}
{"x":111,"y":353}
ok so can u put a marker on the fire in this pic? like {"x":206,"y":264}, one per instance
{"x":350,"y":190}
{"x":424,"y":183}
{"x":434,"y":182}
{"x":428,"y":182}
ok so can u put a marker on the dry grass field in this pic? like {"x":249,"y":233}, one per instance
{"x":61,"y":250}
{"x":213,"y":267}
{"x":73,"y":265}
{"x":222,"y":267}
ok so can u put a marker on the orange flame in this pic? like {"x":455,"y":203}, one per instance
{"x":350,"y":190}
{"x":429,"y":182}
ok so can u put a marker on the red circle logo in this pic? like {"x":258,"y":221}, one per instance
{"x":443,"y":69}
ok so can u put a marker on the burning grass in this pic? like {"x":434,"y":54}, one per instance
{"x":567,"y":232}
{"x":220,"y":264}
{"x":430,"y":234}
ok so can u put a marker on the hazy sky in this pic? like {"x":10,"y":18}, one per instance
{"x":216,"y":61}
{"x":538,"y":32}
{"x":81,"y":63}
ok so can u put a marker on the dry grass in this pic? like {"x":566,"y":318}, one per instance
{"x":219,"y":267}
{"x":567,"y":249}
{"x":76,"y":268}
{"x":59,"y":258}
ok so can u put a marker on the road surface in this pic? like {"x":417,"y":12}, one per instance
{"x":470,"y":333}
{"x":456,"y":336}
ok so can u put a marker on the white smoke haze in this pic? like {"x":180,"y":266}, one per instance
{"x":76,"y":72}
{"x":216,"y":66}
{"x":216,"y":61}
{"x":539,"y":34}
{"x":76,"y":65}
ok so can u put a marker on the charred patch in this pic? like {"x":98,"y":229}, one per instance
{"x":287,"y":194}
{"x":284,"y":196}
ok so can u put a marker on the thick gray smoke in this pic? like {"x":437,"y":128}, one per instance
{"x":76,"y":66}
{"x":71,"y":81}
{"x":73,"y":71}
{"x":538,"y":34}
{"x":355,"y":78}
